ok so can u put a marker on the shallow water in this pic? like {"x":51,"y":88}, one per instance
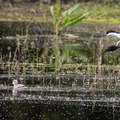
{"x":80,"y":95}
{"x":50,"y":110}
{"x":42,"y":106}
{"x":82,"y":99}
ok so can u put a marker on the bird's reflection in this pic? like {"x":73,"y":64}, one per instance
{"x":15,"y":91}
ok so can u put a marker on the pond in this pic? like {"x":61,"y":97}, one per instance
{"x":84,"y":99}
{"x":67,"y":77}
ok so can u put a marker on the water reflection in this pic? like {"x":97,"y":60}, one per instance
{"x":48,"y":110}
{"x":49,"y":102}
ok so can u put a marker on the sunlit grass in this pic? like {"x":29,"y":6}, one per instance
{"x":98,"y":12}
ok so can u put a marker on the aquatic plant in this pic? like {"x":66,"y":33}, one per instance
{"x":63,"y":19}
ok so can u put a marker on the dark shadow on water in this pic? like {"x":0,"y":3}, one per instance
{"x":58,"y":110}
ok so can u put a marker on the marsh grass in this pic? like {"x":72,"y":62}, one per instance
{"x":99,"y":12}
{"x":55,"y":55}
{"x":75,"y":65}
{"x":51,"y":54}
{"x":40,"y":68}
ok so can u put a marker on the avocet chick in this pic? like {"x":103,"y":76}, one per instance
{"x":19,"y":86}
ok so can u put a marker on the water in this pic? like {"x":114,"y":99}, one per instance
{"x":47,"y":99}
{"x":58,"y":110}
{"x":50,"y":103}
{"x":66,"y":80}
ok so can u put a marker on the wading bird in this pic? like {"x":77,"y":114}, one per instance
{"x":114,"y":34}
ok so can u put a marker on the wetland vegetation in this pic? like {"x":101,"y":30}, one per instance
{"x":57,"y":51}
{"x":68,"y":45}
{"x":105,"y":12}
{"x":57,"y":56}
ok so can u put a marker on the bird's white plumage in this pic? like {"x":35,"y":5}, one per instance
{"x":114,"y":34}
{"x":118,"y":43}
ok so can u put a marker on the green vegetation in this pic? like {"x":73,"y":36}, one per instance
{"x":52,"y":56}
{"x":98,"y":12}
{"x":103,"y":13}
{"x":63,"y":19}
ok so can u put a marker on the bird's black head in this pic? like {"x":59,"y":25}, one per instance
{"x":112,"y":48}
{"x":111,"y":31}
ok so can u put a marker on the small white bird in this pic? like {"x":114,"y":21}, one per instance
{"x":16,"y":85}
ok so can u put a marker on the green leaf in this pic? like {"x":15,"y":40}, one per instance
{"x":58,"y":7}
{"x":69,"y":11}
{"x":75,"y":20}
{"x":65,"y":20}
{"x":53,"y":13}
